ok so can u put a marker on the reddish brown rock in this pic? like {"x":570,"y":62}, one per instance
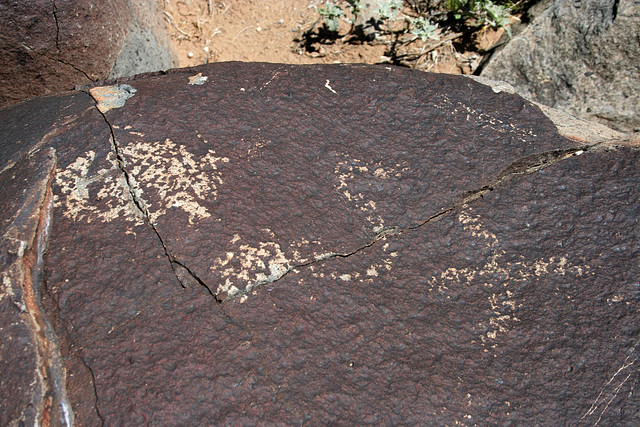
{"x":33,"y":388}
{"x":519,"y":308}
{"x":259,"y":243}
{"x":51,"y":46}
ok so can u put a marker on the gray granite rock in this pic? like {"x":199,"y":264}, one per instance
{"x":579,"y":57}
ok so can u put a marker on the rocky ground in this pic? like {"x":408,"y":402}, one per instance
{"x":273,"y":31}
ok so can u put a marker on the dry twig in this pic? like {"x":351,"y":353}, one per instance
{"x":169,"y":19}
{"x":241,"y":31}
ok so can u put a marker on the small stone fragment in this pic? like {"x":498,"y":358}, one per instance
{"x":109,"y":97}
{"x":198,"y":79}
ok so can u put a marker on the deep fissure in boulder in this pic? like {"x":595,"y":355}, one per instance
{"x":144,"y":213}
{"x":526,"y":165}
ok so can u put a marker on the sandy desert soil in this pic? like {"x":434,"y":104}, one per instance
{"x":266,"y":30}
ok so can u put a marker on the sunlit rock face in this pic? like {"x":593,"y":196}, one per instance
{"x":262,"y":243}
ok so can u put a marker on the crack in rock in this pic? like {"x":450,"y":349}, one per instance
{"x":61,"y":61}
{"x":188,"y":279}
{"x":95,"y":389}
{"x":24,"y":242}
{"x":55,"y":18}
{"x":523,"y":166}
{"x":185,"y":276}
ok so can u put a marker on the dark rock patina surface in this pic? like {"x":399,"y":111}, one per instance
{"x":260,"y":243}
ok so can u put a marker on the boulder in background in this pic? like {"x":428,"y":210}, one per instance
{"x":50,"y":47}
{"x":579,"y":57}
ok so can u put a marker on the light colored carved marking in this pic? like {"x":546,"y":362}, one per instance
{"x":614,"y":393}
{"x":461,"y":109}
{"x":328,"y":86}
{"x":501,"y":299}
{"x":348,"y":170}
{"x":266,"y":255}
{"x":270,"y":80}
{"x":111,"y":188}
{"x":175,"y":174}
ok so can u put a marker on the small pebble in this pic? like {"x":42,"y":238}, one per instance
{"x":206,"y":49}
{"x":190,"y":54}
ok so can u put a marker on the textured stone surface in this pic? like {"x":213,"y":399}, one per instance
{"x":50,"y":46}
{"x":338,"y":244}
{"x":579,"y":57}
{"x":33,"y":379}
{"x":305,"y":155}
{"x":520,"y":308}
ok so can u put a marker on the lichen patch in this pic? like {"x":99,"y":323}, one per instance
{"x":198,"y":79}
{"x":109,"y":97}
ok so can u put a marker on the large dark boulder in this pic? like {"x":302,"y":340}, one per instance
{"x":581,"y":57}
{"x":51,"y":46}
{"x":273,"y":244}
